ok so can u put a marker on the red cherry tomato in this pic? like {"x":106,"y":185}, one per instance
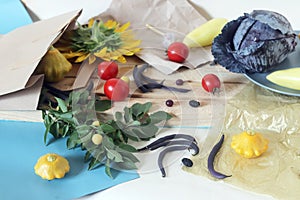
{"x":178,"y":52}
{"x":211,"y":83}
{"x":107,"y":70}
{"x":116,"y":89}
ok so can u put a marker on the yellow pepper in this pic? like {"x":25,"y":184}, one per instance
{"x":249,"y":144}
{"x":51,"y":166}
{"x":289,"y":78}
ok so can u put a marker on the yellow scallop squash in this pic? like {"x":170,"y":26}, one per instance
{"x":51,"y":166}
{"x":249,"y":144}
{"x":53,"y":65}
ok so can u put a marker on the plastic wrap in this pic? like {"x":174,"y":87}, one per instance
{"x":277,"y":117}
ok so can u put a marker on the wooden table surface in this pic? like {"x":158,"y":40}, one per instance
{"x":185,"y":115}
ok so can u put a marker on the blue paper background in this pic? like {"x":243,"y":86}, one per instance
{"x":21,"y":144}
{"x":12,"y":15}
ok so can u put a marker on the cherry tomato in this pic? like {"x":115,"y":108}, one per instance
{"x":211,"y":83}
{"x":177,"y":52}
{"x":116,"y":89}
{"x":108,"y":70}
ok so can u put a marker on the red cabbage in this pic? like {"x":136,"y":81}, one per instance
{"x":254,"y":42}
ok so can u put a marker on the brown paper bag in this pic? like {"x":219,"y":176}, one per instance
{"x":173,"y":18}
{"x":21,"y":51}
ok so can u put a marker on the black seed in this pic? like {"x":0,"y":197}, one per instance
{"x":169,"y":103}
{"x":187,"y":162}
{"x":194,"y":103}
{"x":179,"y":82}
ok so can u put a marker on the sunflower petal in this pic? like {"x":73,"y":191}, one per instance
{"x":111,"y":24}
{"x":91,"y":22}
{"x":123,"y":28}
{"x":115,"y":54}
{"x":92,"y":59}
{"x":102,"y":52}
{"x":73,"y":54}
{"x":132,"y":44}
{"x":81,"y":58}
{"x":122,"y":59}
{"x":125,"y":52}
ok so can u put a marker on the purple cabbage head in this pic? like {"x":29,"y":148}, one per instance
{"x":254,"y":42}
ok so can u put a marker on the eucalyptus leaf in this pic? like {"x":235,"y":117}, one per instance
{"x":66,"y":130}
{"x":127,"y":147}
{"x":74,"y":121}
{"x":125,"y":154}
{"x":127,"y":165}
{"x":149,"y":131}
{"x":127,"y":114}
{"x":114,"y":155}
{"x":83,"y":130}
{"x":93,"y":163}
{"x":139,"y":109}
{"x":120,"y":125}
{"x":108,"y":143}
{"x":74,"y":97}
{"x":73,"y":140}
{"x":159,"y":116}
{"x":107,"y":128}
{"x":139,"y":133}
{"x":130,"y":134}
{"x":100,"y":154}
{"x":102,"y":105}
{"x":134,"y":123}
{"x":90,"y":105}
{"x":107,"y":169}
{"x":87,"y":156}
{"x":67,"y":116}
{"x":119,"y":116}
{"x":46,"y":132}
{"x":61,"y":104}
{"x":84,"y":95}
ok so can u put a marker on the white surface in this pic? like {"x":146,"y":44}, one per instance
{"x":178,"y":184}
{"x":45,"y":9}
{"x":230,"y":9}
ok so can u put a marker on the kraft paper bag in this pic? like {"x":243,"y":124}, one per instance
{"x":169,"y":19}
{"x":21,"y":50}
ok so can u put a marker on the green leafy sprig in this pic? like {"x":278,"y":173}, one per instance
{"x":75,"y":119}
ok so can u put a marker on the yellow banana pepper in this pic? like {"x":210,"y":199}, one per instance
{"x":204,"y":34}
{"x":289,"y":78}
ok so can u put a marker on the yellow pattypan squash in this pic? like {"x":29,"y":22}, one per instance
{"x":51,"y":166}
{"x":249,"y":144}
{"x":53,"y":65}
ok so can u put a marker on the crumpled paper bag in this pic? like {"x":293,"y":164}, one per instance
{"x":277,"y":171}
{"x":170,"y":18}
{"x":21,"y":50}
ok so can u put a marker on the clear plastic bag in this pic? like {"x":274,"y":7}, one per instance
{"x":277,"y":171}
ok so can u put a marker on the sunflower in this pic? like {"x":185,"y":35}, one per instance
{"x":108,"y":41}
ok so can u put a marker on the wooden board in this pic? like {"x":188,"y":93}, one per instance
{"x":184,"y":114}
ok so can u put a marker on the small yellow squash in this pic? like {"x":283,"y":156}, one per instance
{"x":249,"y":144}
{"x":51,"y":166}
{"x":53,"y":65}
